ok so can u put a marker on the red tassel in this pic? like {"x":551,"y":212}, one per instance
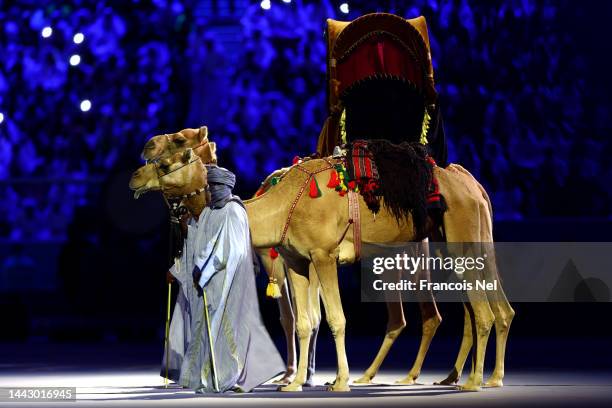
{"x":314,"y":188}
{"x":273,"y":253}
{"x":352,"y":185}
{"x":333,"y":180}
{"x":296,"y":159}
{"x":260,"y":192}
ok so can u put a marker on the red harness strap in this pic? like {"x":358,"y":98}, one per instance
{"x":353,"y":199}
{"x":299,"y":194}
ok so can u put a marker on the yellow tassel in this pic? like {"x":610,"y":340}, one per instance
{"x":273,"y":290}
{"x":425,"y":127}
{"x":343,"y":126}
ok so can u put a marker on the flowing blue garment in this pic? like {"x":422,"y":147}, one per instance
{"x":219,"y":245}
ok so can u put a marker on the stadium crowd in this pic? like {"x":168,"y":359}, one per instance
{"x":84,"y":84}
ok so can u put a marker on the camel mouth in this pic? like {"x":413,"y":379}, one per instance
{"x":140,"y":190}
{"x":148,"y":154}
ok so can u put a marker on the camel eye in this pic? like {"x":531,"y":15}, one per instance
{"x":180,"y":141}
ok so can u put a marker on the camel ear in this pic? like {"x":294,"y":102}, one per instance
{"x":213,"y":152}
{"x":203,"y":133}
{"x":187,"y":156}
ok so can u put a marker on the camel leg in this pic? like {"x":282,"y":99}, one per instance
{"x":463,"y":224}
{"x":287,"y":320}
{"x":483,"y":320}
{"x":395,"y":325}
{"x":299,"y":291}
{"x":503,"y":317}
{"x":327,"y":272}
{"x":499,"y":302}
{"x":315,"y":320}
{"x":430,"y":320}
{"x":464,"y":350}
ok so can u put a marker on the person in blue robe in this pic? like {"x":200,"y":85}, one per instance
{"x":218,"y":341}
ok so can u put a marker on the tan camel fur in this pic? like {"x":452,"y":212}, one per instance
{"x":163,"y":146}
{"x":312,"y":237}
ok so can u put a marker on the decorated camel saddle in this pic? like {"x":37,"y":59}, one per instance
{"x":381,"y":84}
{"x":399,"y":176}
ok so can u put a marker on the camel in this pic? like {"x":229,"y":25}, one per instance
{"x":306,"y":232}
{"x":430,"y":317}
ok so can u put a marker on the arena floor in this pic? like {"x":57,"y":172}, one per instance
{"x":142,"y":387}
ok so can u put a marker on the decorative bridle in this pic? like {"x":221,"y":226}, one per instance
{"x":294,"y":203}
{"x":176,"y":207}
{"x":175,"y":203}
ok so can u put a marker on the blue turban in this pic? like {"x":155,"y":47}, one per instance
{"x":220,"y":184}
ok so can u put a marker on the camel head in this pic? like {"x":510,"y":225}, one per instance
{"x":179,"y":175}
{"x":163,"y":146}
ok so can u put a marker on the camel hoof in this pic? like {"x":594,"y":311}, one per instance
{"x":283,"y":381}
{"x":494,"y":383}
{"x":365,"y":379}
{"x":337,"y":387}
{"x":287,"y":378}
{"x":469,"y":387}
{"x":290,"y":388}
{"x":409,"y":380}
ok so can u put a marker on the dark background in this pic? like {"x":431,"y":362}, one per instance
{"x":524,"y":88}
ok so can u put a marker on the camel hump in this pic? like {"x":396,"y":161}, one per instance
{"x":457,"y":168}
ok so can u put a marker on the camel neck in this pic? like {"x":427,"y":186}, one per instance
{"x":269,"y":212}
{"x":196,"y":204}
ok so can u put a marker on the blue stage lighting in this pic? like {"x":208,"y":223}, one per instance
{"x":344,"y":7}
{"x":75,"y":60}
{"x":265,"y":4}
{"x":1,"y":117}
{"x":46,"y":32}
{"x":78,"y":38}
{"x":85,"y":105}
